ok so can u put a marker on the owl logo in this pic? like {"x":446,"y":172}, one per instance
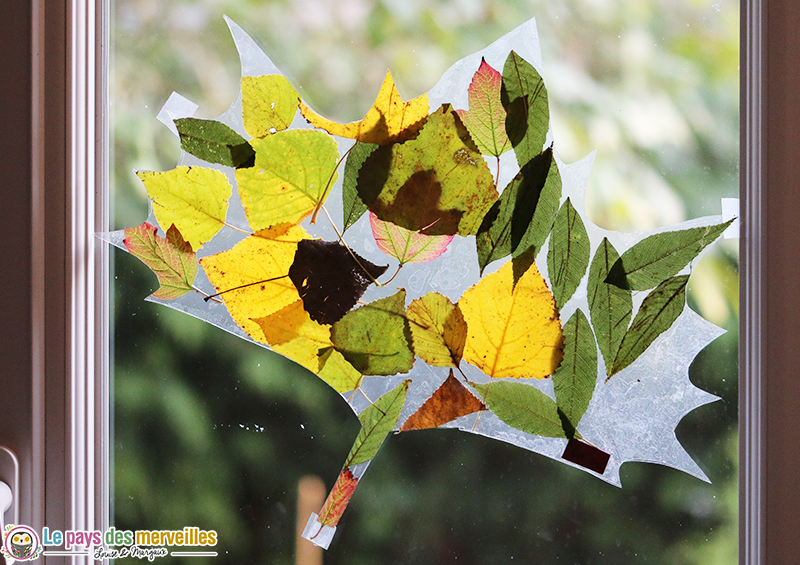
{"x":21,"y":543}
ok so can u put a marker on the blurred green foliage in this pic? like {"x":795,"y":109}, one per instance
{"x":215,"y":432}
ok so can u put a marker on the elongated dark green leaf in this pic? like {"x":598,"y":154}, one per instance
{"x":377,"y":420}
{"x":610,"y":307}
{"x":505,"y":225}
{"x":568,"y":256}
{"x":522,"y":407}
{"x":524,"y":97}
{"x":575,"y":379}
{"x":373,"y":337}
{"x":214,"y":142}
{"x":660,"y":256}
{"x":658,"y":311}
{"x":352,"y":206}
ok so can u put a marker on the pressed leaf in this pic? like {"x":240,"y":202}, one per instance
{"x":660,"y":256}
{"x":438,"y":330}
{"x":407,"y":246}
{"x":568,"y":256}
{"x":390,"y":120}
{"x":373,"y":337}
{"x":610,"y":307}
{"x":438,"y":183}
{"x":512,"y":331}
{"x":352,"y":206}
{"x":269,"y":103}
{"x":512,"y":222}
{"x":450,"y":401}
{"x":377,"y":420}
{"x":257,"y":269}
{"x":330,"y":279}
{"x":576,"y":377}
{"x":171,"y":258}
{"x":522,"y":407}
{"x":337,"y":372}
{"x":338,"y":498}
{"x":193,"y":199}
{"x":291,"y":177}
{"x":486,"y":117}
{"x":524,"y":98}
{"x":657,"y":313}
{"x":214,"y":142}
{"x":292,"y":333}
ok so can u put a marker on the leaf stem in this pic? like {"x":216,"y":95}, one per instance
{"x":206,"y":296}
{"x":328,"y":186}
{"x":211,"y":297}
{"x":400,"y":266}
{"x":237,"y":229}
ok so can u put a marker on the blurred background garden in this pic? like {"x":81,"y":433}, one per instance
{"x":215,"y":432}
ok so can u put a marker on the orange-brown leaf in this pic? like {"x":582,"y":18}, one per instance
{"x":450,"y":401}
{"x":337,"y":500}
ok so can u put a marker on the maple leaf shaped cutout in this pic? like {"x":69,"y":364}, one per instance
{"x":390,"y":120}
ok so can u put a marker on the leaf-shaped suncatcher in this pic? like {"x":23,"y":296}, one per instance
{"x":504,"y":312}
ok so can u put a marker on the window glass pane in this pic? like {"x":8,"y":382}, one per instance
{"x":214,"y":432}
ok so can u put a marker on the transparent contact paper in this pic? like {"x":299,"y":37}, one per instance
{"x":434,"y":264}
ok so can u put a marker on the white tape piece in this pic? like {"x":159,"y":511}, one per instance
{"x":730,"y":210}
{"x":318,"y":534}
{"x":175,"y":107}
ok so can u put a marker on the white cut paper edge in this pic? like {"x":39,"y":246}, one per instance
{"x":730,"y":210}
{"x":176,"y":107}
{"x":316,"y":533}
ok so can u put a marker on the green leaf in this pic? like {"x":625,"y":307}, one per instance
{"x":377,"y":420}
{"x":194,"y":199}
{"x":337,"y":372}
{"x":373,"y":337}
{"x":352,"y":206}
{"x":438,"y":330}
{"x":522,"y":407}
{"x":269,"y":104}
{"x":171,"y":258}
{"x":437,"y":184}
{"x":510,"y":221}
{"x":214,"y":142}
{"x":660,"y":256}
{"x":524,"y":97}
{"x":610,"y":307}
{"x":293,"y":173}
{"x":486,"y":117}
{"x":575,"y":378}
{"x":658,"y":311}
{"x":568,"y":256}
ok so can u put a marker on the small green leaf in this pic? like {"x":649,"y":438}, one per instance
{"x":373,"y":337}
{"x":610,"y":307}
{"x":352,"y":206}
{"x":214,"y":142}
{"x":522,"y":407}
{"x":524,"y":97}
{"x":658,"y":311}
{"x":575,"y":378}
{"x":507,"y":223}
{"x":377,"y":420}
{"x":171,"y":258}
{"x":486,"y":117}
{"x":568,"y":256}
{"x":660,"y":256}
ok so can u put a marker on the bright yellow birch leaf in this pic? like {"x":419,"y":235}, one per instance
{"x":512,"y":331}
{"x":193,"y":199}
{"x":390,"y":120}
{"x":249,"y":268}
{"x":291,"y":332}
{"x":269,"y":103}
{"x":292,"y":173}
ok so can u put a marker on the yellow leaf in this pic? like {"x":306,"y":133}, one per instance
{"x":193,"y":199}
{"x":338,"y":372}
{"x":390,"y":120}
{"x":512,"y":331}
{"x":251,"y":264}
{"x":437,"y":329}
{"x":291,"y":332}
{"x":269,"y":103}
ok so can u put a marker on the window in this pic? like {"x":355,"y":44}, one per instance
{"x":39,"y":362}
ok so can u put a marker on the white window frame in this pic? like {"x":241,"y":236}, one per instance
{"x":53,"y":355}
